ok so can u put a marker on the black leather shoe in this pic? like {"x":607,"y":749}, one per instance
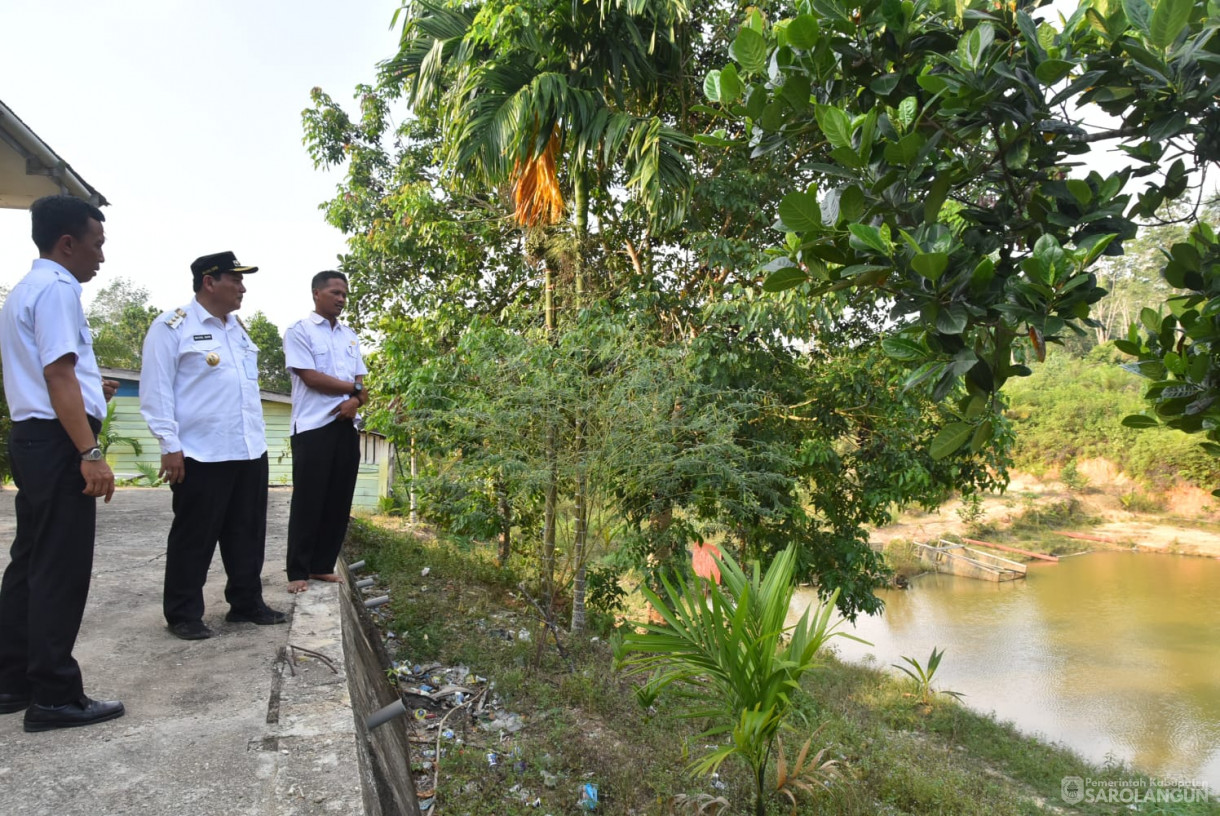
{"x":73,"y":715}
{"x":263,"y":615}
{"x":191,"y":630}
{"x":12,"y":703}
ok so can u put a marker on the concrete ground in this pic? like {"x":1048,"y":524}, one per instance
{"x":244,"y":723}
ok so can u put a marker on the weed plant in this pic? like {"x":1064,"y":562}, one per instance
{"x":902,"y":557}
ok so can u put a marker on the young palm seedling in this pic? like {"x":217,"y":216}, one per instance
{"x":922,"y":675}
{"x":732,"y":660}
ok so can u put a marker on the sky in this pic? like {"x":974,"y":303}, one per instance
{"x":186,"y":116}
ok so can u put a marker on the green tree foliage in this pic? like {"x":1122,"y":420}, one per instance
{"x":1180,"y":351}
{"x":414,"y":246}
{"x":933,"y":147}
{"x":1071,"y":409}
{"x":669,"y":321}
{"x":272,"y":374}
{"x":119,"y":317}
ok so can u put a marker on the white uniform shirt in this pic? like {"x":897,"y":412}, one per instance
{"x":42,"y":321}
{"x":311,"y":343}
{"x":199,"y":387}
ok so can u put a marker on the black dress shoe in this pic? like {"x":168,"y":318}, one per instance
{"x":12,"y":703}
{"x":191,"y":630}
{"x":73,"y":715}
{"x":263,"y":615}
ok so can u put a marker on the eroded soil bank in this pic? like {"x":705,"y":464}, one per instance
{"x":1116,"y":513}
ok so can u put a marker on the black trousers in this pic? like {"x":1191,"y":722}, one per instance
{"x":46,"y":584}
{"x":325,"y":462}
{"x":223,"y":502}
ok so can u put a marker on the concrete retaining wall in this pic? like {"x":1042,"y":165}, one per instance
{"x":384,"y":753}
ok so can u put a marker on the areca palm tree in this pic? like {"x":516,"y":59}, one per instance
{"x":554,"y":96}
{"x":525,"y":89}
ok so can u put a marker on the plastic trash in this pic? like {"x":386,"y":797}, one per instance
{"x":493,"y":759}
{"x":588,"y":796}
{"x":423,"y":573}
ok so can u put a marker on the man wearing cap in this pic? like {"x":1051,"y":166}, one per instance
{"x":199,"y":395}
{"x":57,"y":400}
{"x":323,"y":356}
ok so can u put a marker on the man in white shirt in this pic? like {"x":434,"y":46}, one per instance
{"x":57,"y":400}
{"x":199,"y":395}
{"x":323,"y":356}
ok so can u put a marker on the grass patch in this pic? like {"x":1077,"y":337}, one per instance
{"x":1034,"y":527}
{"x":584,"y":725}
{"x":902,"y":557}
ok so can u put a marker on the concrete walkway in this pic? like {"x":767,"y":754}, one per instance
{"x":240,"y":724}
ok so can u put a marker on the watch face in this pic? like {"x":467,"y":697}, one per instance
{"x":92,"y":455}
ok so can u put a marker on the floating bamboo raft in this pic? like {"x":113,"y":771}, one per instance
{"x":958,"y":559}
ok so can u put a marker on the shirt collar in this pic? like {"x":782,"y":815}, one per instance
{"x":318,"y":320}
{"x":59,"y":271}
{"x":203,"y":315}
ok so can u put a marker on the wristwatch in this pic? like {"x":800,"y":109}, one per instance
{"x":357,"y":389}
{"x":94,"y":454}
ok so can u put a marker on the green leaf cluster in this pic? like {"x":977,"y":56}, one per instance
{"x":731,"y":657}
{"x":933,"y":151}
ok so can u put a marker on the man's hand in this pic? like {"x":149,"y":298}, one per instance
{"x":109,"y":387}
{"x":348,"y":408}
{"x":173,"y":467}
{"x":99,"y":480}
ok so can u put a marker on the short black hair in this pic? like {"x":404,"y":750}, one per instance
{"x":322,"y":277}
{"x":54,"y":216}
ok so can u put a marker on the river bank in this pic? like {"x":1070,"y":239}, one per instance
{"x":575,"y":723}
{"x":1103,"y":509}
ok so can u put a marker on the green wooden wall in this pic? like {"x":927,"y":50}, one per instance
{"x":372,"y":482}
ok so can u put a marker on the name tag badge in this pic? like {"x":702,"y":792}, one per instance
{"x":203,"y":337}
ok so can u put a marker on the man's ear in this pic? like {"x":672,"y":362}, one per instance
{"x":66,"y":244}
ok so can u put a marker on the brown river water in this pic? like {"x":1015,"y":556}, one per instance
{"x":1113,"y":654}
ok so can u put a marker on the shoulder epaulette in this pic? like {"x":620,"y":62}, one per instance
{"x":176,"y":319}
{"x":243,"y":325}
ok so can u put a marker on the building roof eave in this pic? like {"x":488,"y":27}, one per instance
{"x":30,"y":169}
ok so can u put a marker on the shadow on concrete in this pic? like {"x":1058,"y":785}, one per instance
{"x":244,"y":723}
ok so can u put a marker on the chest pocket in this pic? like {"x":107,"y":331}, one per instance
{"x":325,"y":359}
{"x":250,"y":360}
{"x":320,"y":351}
{"x":204,"y":352}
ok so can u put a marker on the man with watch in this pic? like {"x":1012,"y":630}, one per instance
{"x":57,"y":400}
{"x":323,"y":357}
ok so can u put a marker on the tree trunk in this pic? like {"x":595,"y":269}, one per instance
{"x":414,"y":517}
{"x":506,"y":521}
{"x":552,"y":462}
{"x":581,"y":533}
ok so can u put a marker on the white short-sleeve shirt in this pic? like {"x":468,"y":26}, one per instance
{"x":199,"y":386}
{"x":311,"y":343}
{"x":42,"y":320}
